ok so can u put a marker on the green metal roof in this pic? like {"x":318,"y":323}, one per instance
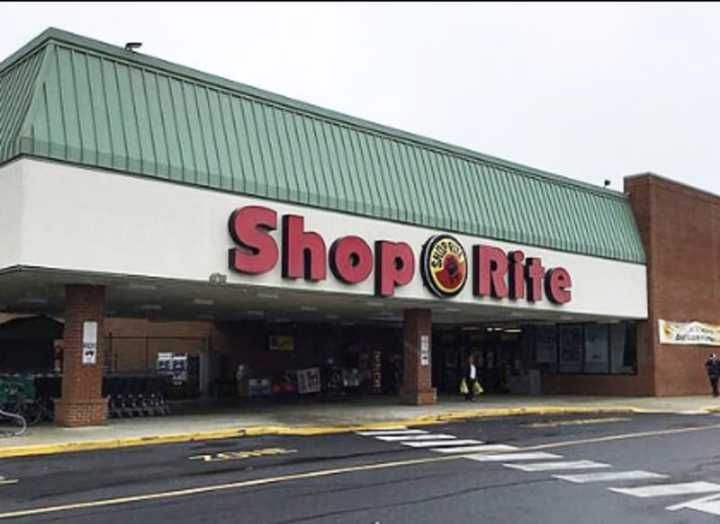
{"x":73,"y":99}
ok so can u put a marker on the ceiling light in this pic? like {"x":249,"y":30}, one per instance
{"x":203,"y":302}
{"x":471,"y":328}
{"x":31,"y":300}
{"x":142,"y":287}
{"x":151,"y":307}
{"x":513,"y":330}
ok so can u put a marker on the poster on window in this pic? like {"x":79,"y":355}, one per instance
{"x":571,"y":346}
{"x":308,"y":380}
{"x":546,"y":345}
{"x":596,"y":348}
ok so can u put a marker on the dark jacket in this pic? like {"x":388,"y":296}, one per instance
{"x":713,"y":368}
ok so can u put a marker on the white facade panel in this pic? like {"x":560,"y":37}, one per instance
{"x":11,"y":212}
{"x":89,"y":220}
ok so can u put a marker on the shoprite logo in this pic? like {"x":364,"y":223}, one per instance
{"x":444,"y":265}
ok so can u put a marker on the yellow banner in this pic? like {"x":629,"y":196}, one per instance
{"x":689,"y":333}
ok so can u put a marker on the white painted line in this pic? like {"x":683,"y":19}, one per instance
{"x":666,"y":490}
{"x":5,"y":482}
{"x":610,"y":476}
{"x":709,"y":503}
{"x":379,"y":432}
{"x":485,"y":448}
{"x":508,"y":457}
{"x":429,"y":436}
{"x":558,"y":466}
{"x":434,"y":443}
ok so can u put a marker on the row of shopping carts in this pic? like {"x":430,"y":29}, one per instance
{"x":137,"y":396}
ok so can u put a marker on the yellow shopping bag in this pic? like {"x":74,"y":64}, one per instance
{"x":464,"y":387}
{"x":477,"y":388}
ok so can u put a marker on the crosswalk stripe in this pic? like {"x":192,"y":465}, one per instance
{"x":430,"y":436}
{"x":558,"y":466}
{"x":610,"y":476}
{"x":483,"y":448}
{"x":434,"y":443}
{"x":379,"y":432}
{"x":507,"y":457}
{"x":666,"y":490}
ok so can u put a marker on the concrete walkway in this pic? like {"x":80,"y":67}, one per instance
{"x":263,"y":418}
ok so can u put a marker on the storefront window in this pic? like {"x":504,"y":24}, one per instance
{"x":571,"y":348}
{"x":587,"y":348}
{"x":623,"y":349}
{"x":596,"y":348}
{"x":546,"y":348}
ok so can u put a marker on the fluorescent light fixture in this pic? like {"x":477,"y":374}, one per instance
{"x":267,"y":294}
{"x":31,"y":300}
{"x":471,"y":328}
{"x":513,"y":330}
{"x":203,"y":302}
{"x":142,"y":287}
{"x":150,"y":307}
{"x":255,"y":313}
{"x":308,"y":308}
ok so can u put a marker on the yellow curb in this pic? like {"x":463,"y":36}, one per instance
{"x":91,"y":445}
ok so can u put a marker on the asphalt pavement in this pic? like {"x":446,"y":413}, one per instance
{"x":554,"y":469}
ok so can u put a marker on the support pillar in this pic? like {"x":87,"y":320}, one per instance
{"x":417,"y":358}
{"x":82,"y":403}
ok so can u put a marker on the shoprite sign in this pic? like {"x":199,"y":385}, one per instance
{"x":443,"y":261}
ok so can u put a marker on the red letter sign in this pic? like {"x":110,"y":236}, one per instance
{"x":303,"y":253}
{"x":557,"y":285}
{"x":249,"y":228}
{"x":394,"y":266}
{"x":490,"y":266}
{"x":351,"y":259}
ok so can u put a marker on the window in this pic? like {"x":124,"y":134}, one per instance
{"x":597,"y":358}
{"x":587,"y":348}
{"x":571,"y":348}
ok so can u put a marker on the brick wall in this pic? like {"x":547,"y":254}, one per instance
{"x":680,"y":229}
{"x":417,"y":379}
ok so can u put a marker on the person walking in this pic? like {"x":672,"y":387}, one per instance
{"x":470,"y":378}
{"x":712,"y":367}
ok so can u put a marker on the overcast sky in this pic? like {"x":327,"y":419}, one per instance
{"x":589,"y":91}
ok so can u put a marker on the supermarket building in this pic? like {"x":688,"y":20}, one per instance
{"x":153,"y":208}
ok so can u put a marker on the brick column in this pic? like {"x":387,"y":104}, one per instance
{"x":417,"y":377}
{"x":82,"y":403}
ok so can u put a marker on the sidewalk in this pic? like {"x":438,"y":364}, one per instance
{"x":322,"y":417}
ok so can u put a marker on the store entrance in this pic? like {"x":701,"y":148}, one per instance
{"x":502,"y":355}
